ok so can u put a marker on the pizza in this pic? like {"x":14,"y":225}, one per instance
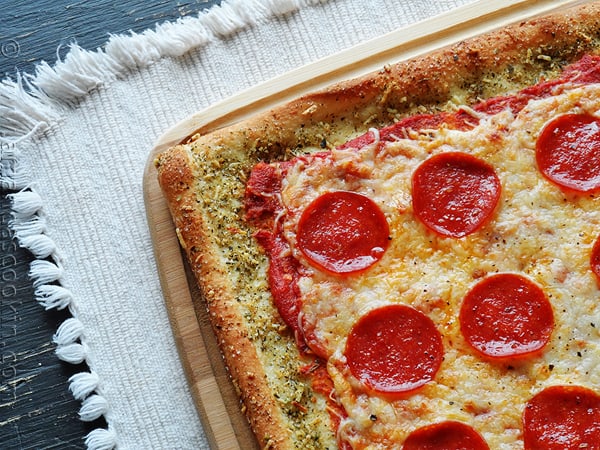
{"x":411,"y":259}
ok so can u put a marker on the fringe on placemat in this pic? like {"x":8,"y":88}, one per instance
{"x":30,"y":105}
{"x":33,"y":104}
{"x":47,"y":274}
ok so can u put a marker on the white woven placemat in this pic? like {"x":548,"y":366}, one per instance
{"x":76,"y":137}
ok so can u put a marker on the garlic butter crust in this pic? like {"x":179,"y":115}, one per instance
{"x":204,"y":181}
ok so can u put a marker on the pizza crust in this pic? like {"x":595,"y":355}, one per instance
{"x":203,"y":181}
{"x":194,"y":232}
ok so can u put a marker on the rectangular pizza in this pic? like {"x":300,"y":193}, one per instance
{"x":410,"y":259}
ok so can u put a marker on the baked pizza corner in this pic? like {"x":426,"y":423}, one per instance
{"x":411,"y":259}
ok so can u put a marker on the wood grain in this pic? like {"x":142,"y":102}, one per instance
{"x":213,"y":392}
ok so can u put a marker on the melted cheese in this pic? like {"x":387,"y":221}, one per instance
{"x":537,"y":230}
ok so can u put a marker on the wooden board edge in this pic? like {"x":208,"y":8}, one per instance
{"x":213,"y":393}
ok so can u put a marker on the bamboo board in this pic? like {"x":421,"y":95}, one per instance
{"x":214,"y":395}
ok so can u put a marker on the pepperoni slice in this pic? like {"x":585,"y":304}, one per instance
{"x":394,"y":349}
{"x":343,"y":232}
{"x":454,"y":193}
{"x":595,"y":258}
{"x":506,"y":315}
{"x":568,"y":152}
{"x":449,"y":435}
{"x":562,"y":418}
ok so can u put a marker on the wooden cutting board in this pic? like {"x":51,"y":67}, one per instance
{"x":214,"y":395}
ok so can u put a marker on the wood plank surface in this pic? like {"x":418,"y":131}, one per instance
{"x":213,"y":391}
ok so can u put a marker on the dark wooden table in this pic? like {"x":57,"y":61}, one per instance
{"x":37,"y":410}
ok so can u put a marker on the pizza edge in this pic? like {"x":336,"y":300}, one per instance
{"x":514,"y":56}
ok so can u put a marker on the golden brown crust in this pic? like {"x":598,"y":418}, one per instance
{"x":203,"y":182}
{"x":480,"y":67}
{"x":177,"y":178}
